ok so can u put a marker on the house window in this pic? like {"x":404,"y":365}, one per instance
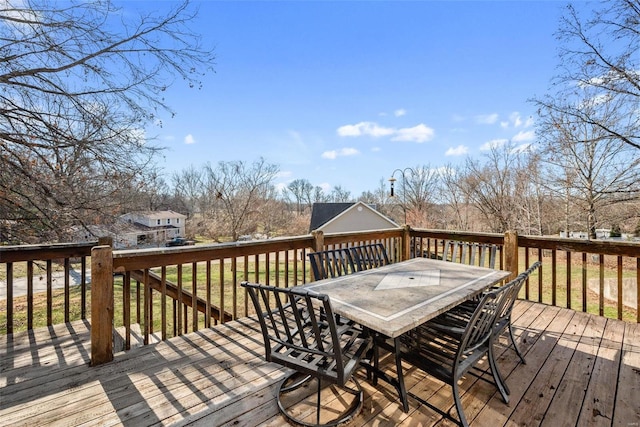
{"x":158,"y":222}
{"x":177,"y":220}
{"x":168,"y":220}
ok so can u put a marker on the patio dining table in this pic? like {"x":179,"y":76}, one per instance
{"x":396,"y":298}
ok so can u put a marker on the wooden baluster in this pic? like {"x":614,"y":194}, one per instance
{"x":207,"y":316}
{"x":194,"y":296}
{"x":126,"y":308}
{"x":49,"y":293}
{"x":568,"y":279}
{"x":601,"y":296}
{"x":620,"y":303}
{"x":221,"y":287}
{"x":163,"y":300}
{"x":234,"y":289}
{"x":584,"y":281}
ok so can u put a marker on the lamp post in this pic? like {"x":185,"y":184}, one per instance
{"x":392,"y":180}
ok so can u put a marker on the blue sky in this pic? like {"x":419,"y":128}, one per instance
{"x":345,"y":92}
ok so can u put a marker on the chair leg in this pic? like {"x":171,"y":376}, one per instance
{"x":515,"y":346}
{"x":456,"y":398}
{"x":497,"y":376}
{"x":318,"y":401}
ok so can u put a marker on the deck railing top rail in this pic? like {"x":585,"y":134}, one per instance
{"x":604,"y":247}
{"x":132,"y":259}
{"x":20,"y":253}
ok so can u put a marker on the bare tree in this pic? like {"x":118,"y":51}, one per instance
{"x":339,"y":194}
{"x":415,"y":193}
{"x":319,"y":196}
{"x":188,"y":185}
{"x":498,"y":186}
{"x":239,"y":189}
{"x":592,"y":169}
{"x":80,"y":81}
{"x":302,"y":192}
{"x":600,"y":53}
{"x":456,"y":200}
{"x":378,"y":197}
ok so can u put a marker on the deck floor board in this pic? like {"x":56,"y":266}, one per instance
{"x":581,"y":370}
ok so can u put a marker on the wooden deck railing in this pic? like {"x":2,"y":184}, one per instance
{"x":207,"y":278}
{"x":49,"y":267}
{"x":171,"y":291}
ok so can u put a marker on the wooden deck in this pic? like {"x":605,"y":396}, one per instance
{"x":581,"y":370}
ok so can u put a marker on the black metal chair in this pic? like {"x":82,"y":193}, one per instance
{"x":503,"y":322}
{"x":463,"y":313}
{"x":331,"y":263}
{"x":447,"y":350}
{"x":369,"y":256}
{"x":301,"y":332}
{"x":480,"y":254}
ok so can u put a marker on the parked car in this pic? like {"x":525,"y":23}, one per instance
{"x":179,"y":241}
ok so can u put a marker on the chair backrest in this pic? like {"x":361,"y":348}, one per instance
{"x":300,"y":331}
{"x":512,"y":294}
{"x":481,"y":254}
{"x":331,"y":263}
{"x":369,"y":256}
{"x":481,"y":324}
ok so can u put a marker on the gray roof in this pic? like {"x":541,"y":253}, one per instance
{"x":321,"y":213}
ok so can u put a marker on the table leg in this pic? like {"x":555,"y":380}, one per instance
{"x":373,"y":366}
{"x":402,"y":390}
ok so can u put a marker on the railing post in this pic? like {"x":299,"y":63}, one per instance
{"x":511,"y":253}
{"x":101,"y":305}
{"x":406,"y":243}
{"x":318,"y":240}
{"x":105,"y":241}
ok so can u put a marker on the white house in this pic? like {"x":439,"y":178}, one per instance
{"x":151,"y":227}
{"x":346,"y":217}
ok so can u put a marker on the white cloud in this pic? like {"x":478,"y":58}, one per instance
{"x":419,"y":133}
{"x":529,"y":122}
{"x":364,"y":128}
{"x":457,"y":151}
{"x":487,"y":119}
{"x":494,"y":143}
{"x":521,"y":148}
{"x":515,"y":119}
{"x":284,"y":174}
{"x":376,"y":149}
{"x":343,"y":152}
{"x":524,"y":136}
{"x":400,"y":112}
{"x":189,"y":139}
